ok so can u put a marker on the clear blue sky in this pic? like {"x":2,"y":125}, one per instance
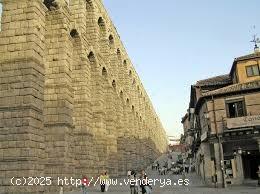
{"x":173,"y":43}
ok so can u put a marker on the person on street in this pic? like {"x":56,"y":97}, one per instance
{"x":102,"y":182}
{"x":106,"y":181}
{"x":142,"y":185}
{"x":133,"y":183}
{"x":84,"y":184}
{"x":128,"y":173}
{"x":145,"y":182}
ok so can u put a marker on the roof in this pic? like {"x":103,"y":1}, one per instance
{"x":213,"y":81}
{"x":246,"y":57}
{"x":184,"y":118}
{"x":240,"y":87}
{"x":243,"y":58}
{"x":234,"y":88}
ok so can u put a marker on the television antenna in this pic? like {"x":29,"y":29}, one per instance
{"x":255,"y":40}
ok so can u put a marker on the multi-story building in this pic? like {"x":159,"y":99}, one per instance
{"x":227,"y":123}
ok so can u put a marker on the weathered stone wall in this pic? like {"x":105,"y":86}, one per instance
{"x":71,"y":102}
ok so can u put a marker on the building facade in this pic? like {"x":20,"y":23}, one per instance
{"x":71,"y":102}
{"x":226,"y":117}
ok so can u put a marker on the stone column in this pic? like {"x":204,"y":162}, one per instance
{"x":239,"y":166}
{"x":219,"y":164}
{"x":21,"y":94}
{"x":58,"y":103}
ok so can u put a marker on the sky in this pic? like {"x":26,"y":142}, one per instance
{"x":174,"y":43}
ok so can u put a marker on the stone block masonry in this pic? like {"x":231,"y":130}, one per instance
{"x":71,"y":103}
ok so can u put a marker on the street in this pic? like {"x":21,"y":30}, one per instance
{"x":169,"y":183}
{"x":196,"y":187}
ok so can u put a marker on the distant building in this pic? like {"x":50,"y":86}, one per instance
{"x":222,"y":126}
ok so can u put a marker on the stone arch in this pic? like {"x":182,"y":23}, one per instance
{"x":111,"y":40}
{"x":74,"y":33}
{"x":118,"y":52}
{"x":104,"y":71}
{"x":89,"y":4}
{"x":121,"y":94}
{"x":114,"y":84}
{"x":50,"y":4}
{"x":91,"y":57}
{"x":130,"y":73}
{"x":101,"y":24}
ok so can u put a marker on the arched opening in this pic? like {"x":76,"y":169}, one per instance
{"x":130,"y":73}
{"x":138,"y":88}
{"x":127,"y":101}
{"x":89,"y":4}
{"x":133,"y":108}
{"x":111,"y":40}
{"x":118,"y":52}
{"x":91,"y":57}
{"x":125,"y":63}
{"x":121,"y":94}
{"x":101,"y":23}
{"x":74,"y":33}
{"x":140,"y":118}
{"x":114,"y":84}
{"x":50,"y":4}
{"x":104,"y":71}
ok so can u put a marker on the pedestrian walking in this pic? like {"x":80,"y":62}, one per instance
{"x":106,"y":181}
{"x":102,"y":182}
{"x":133,"y":183}
{"x":142,"y":184}
{"x":84,"y":184}
{"x":61,"y":189}
{"x":186,"y":168}
{"x":128,"y":173}
{"x":145,"y":182}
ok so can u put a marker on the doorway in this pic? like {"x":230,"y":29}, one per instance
{"x":251,"y":160}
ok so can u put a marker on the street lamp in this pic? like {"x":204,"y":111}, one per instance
{"x":239,"y":150}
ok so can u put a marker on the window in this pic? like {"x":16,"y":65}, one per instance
{"x":252,"y":70}
{"x":236,"y":109}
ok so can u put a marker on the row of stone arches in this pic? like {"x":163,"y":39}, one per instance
{"x":112,"y":41}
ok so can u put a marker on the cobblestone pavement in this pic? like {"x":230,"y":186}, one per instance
{"x":195,"y":186}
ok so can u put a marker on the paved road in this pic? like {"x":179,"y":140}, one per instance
{"x":195,"y":186}
{"x":171,"y":184}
